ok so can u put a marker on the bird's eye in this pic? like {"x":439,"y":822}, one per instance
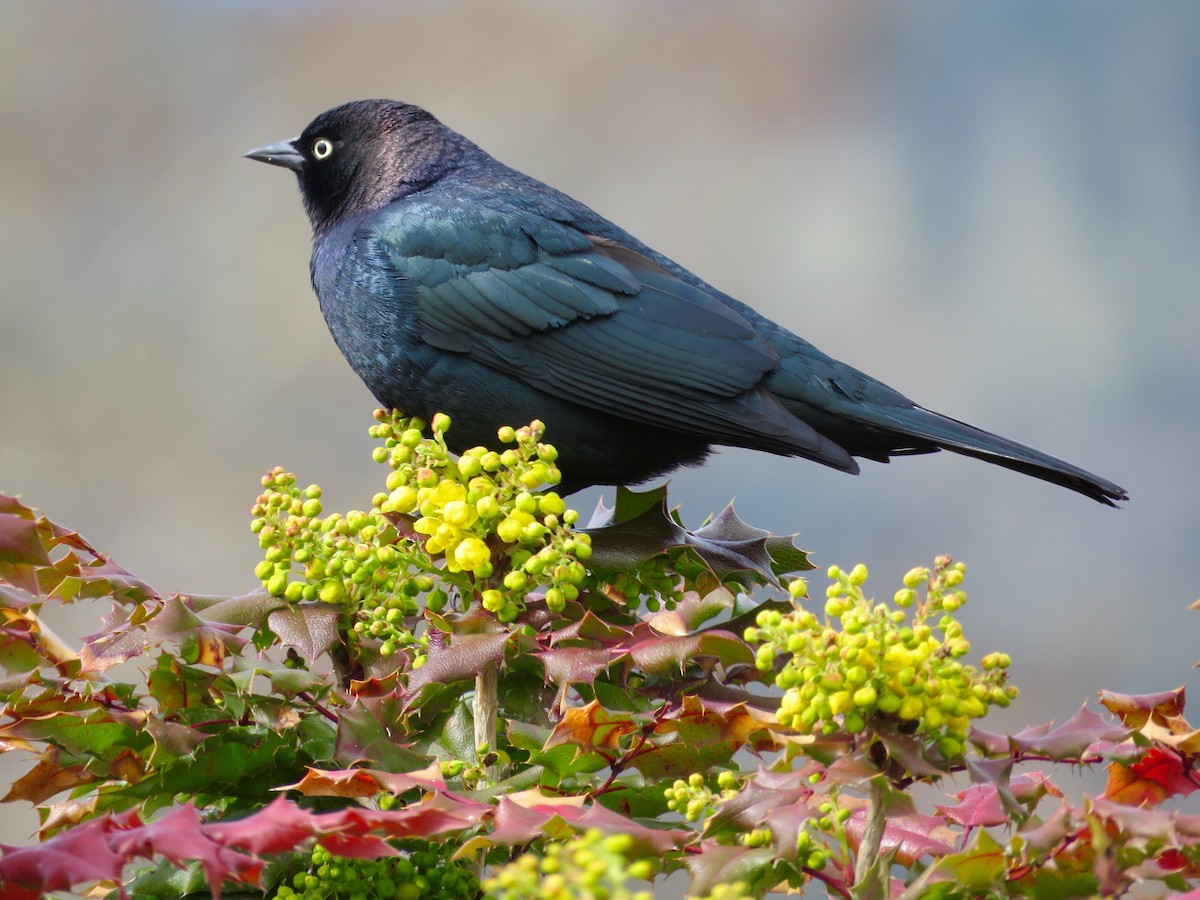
{"x":322,"y":148}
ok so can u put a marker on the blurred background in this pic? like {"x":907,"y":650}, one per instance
{"x":994,"y":208}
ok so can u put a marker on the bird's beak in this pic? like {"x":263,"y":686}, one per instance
{"x":283,"y":153}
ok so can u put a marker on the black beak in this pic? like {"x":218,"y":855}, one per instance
{"x":283,"y":153}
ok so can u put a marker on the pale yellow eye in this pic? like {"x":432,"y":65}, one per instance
{"x":322,"y":148}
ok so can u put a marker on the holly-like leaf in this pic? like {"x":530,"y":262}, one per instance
{"x":981,"y":805}
{"x":666,"y":654}
{"x":703,"y":734}
{"x":780,"y":800}
{"x":46,"y":779}
{"x":722,"y":864}
{"x":591,"y":727}
{"x":77,"y":856}
{"x":365,"y":733}
{"x":782,"y":551}
{"x":1160,"y":773}
{"x":1136,"y":709}
{"x":464,"y":657}
{"x":1070,"y":740}
{"x":365,"y":782}
{"x":1142,"y":822}
{"x":180,"y":838}
{"x":909,"y":752}
{"x":200,"y":642}
{"x":311,"y":628}
{"x":528,"y":815}
{"x":908,"y":834}
{"x":641,"y":528}
{"x":247,"y":609}
{"x":91,"y":731}
{"x":21,"y":542}
{"x":692,"y":611}
{"x":524,"y":816}
{"x":978,"y":867}
{"x":576,"y":665}
{"x":1042,"y":836}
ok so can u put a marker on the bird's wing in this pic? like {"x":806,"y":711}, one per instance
{"x":593,"y":322}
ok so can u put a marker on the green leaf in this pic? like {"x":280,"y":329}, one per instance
{"x":89,"y":733}
{"x":560,"y":761}
{"x":365,"y":735}
{"x":451,"y":735}
{"x":980,"y":866}
{"x":633,"y":795}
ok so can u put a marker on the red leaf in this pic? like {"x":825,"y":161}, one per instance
{"x":365,"y":846}
{"x":77,"y":856}
{"x":982,"y":804}
{"x":179,"y":837}
{"x":516,"y":823}
{"x":1159,"y":774}
{"x":276,"y":828}
{"x":1137,"y":821}
{"x":908,"y":833}
{"x":424,"y":820}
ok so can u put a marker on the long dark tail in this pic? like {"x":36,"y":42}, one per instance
{"x":950,"y":434}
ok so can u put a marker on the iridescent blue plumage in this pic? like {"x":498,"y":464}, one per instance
{"x":453,"y":283}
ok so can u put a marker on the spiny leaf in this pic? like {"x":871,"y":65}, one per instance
{"x":1136,"y":709}
{"x":980,"y":805}
{"x":641,"y":528}
{"x":366,"y":732}
{"x":1159,"y":774}
{"x":665,"y":654}
{"x":720,"y":864}
{"x":591,"y":727}
{"x":692,"y":611}
{"x":20,"y":542}
{"x":528,"y":815}
{"x":781,"y":800}
{"x":87,"y":732}
{"x":465,"y":657}
{"x":365,"y":782}
{"x":702,"y":735}
{"x":79,"y":855}
{"x":46,"y":779}
{"x":309,"y":628}
{"x":1071,"y":739}
{"x":576,"y":665}
{"x":979,"y":867}
{"x":180,"y":838}
{"x":908,"y":834}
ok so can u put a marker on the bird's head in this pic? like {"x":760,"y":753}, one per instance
{"x":360,"y":156}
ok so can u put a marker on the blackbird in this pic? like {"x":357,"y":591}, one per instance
{"x":453,"y":283}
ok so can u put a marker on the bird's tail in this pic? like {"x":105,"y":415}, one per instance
{"x":926,"y":427}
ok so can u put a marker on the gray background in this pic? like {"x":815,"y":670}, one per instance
{"x":992,"y":207}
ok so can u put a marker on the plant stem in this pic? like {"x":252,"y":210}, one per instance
{"x":868,"y":849}
{"x":485,"y":708}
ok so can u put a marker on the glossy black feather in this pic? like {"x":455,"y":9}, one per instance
{"x":453,"y":283}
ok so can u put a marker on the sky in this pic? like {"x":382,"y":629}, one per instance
{"x":995,"y":208}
